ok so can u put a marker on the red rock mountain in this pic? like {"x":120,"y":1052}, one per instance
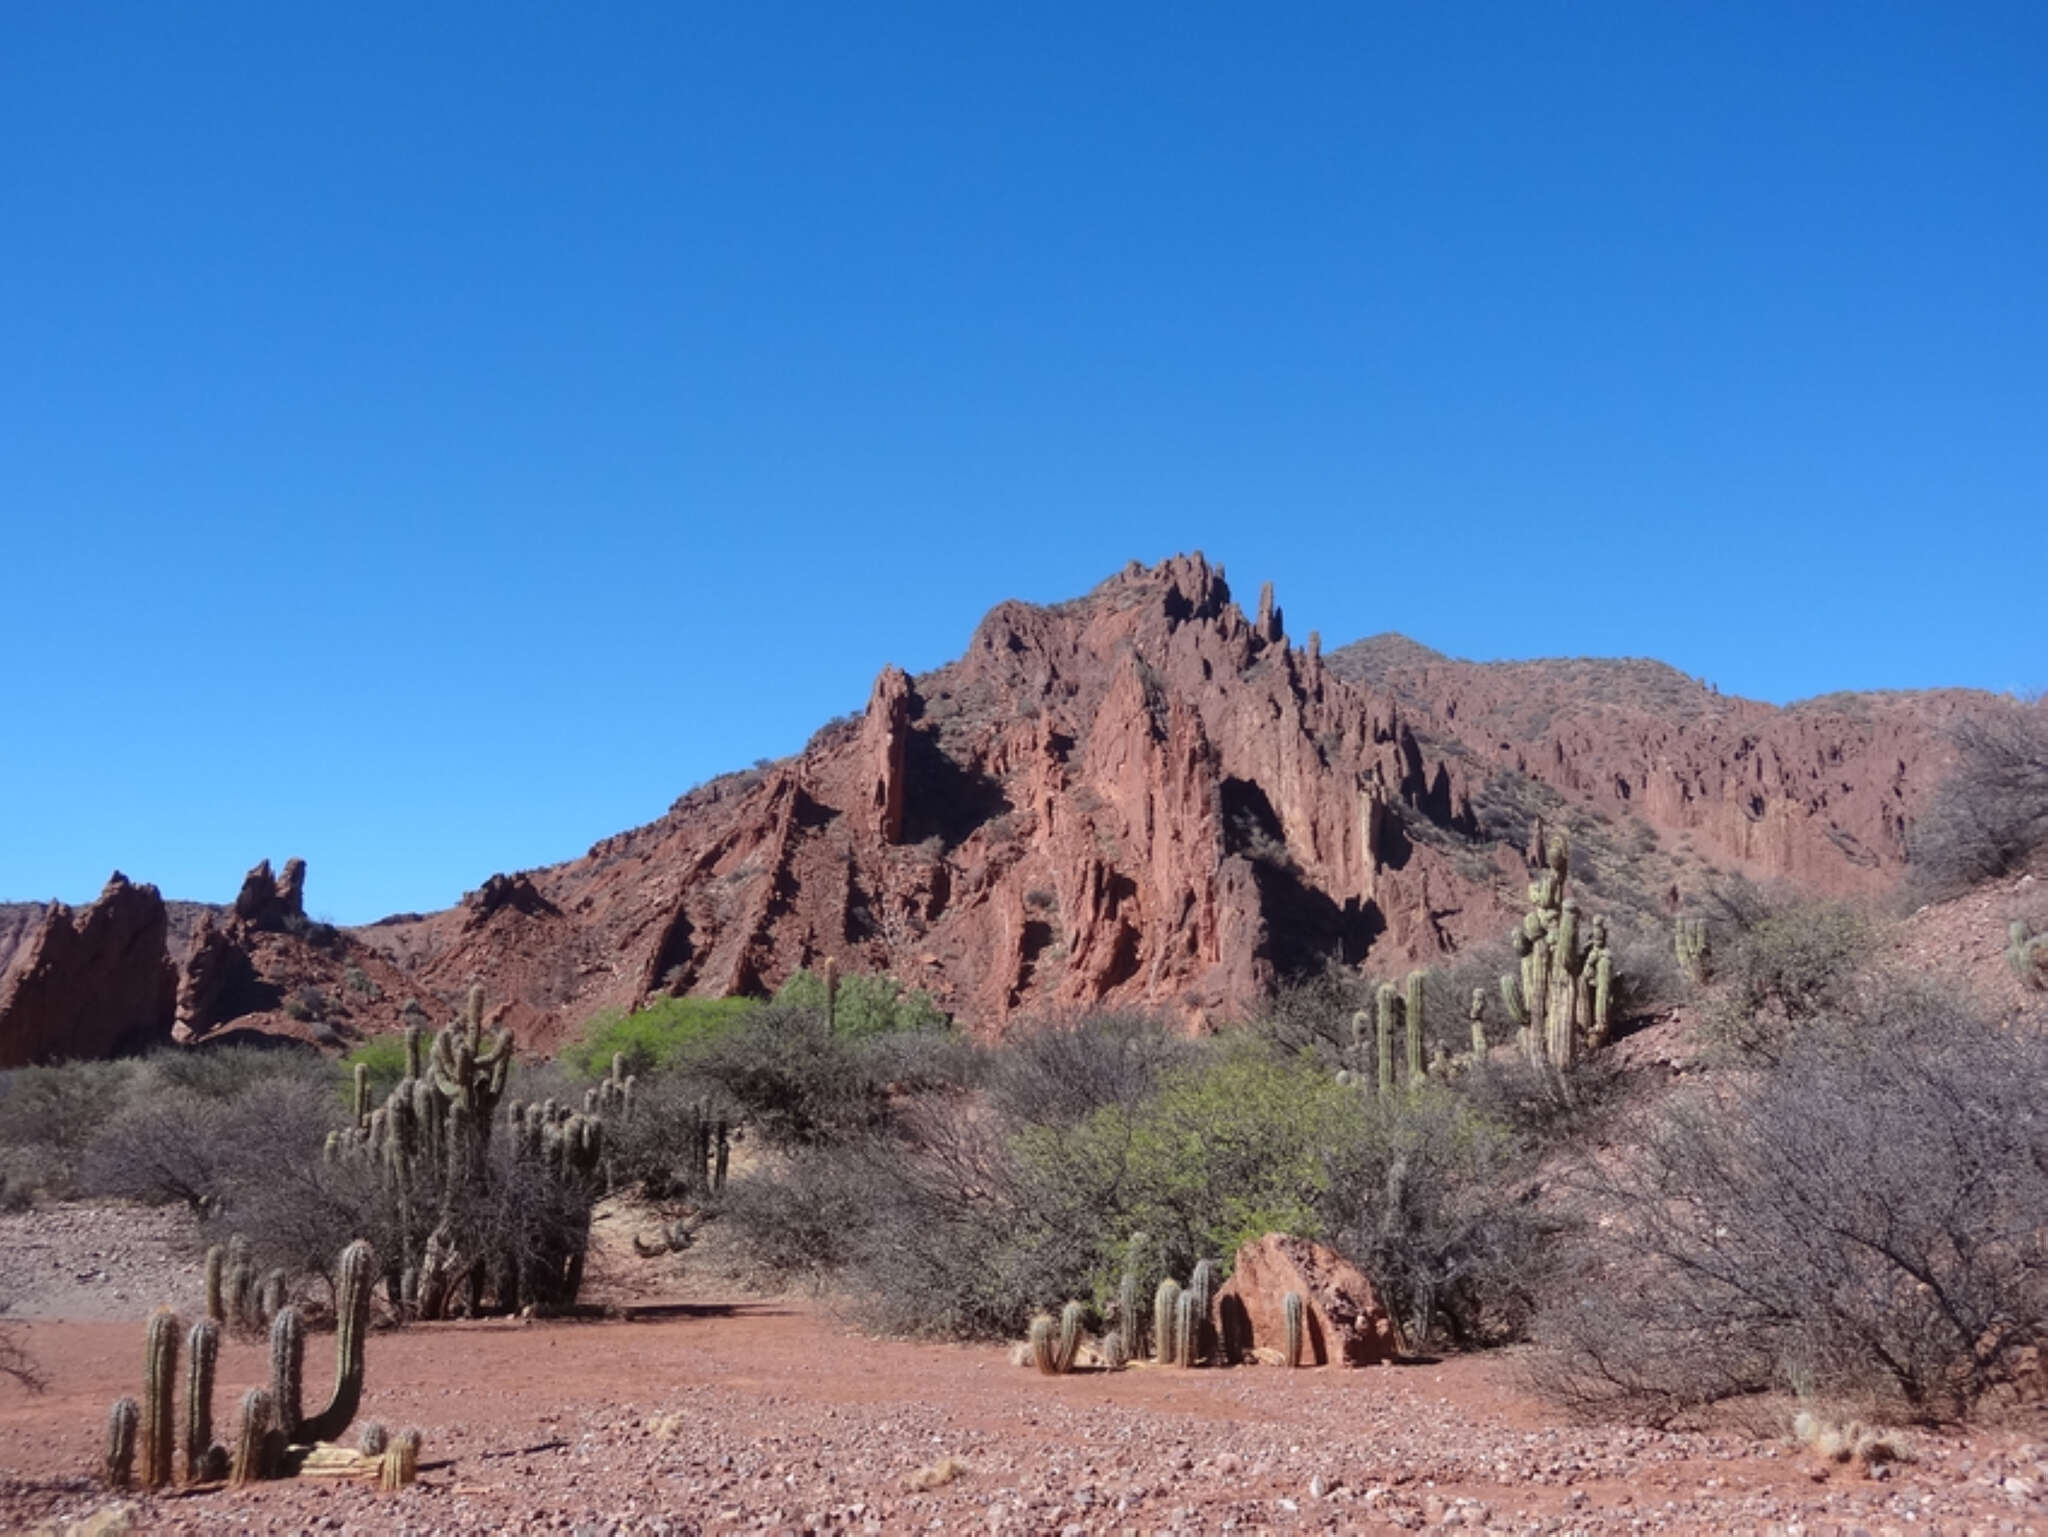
{"x":1139,"y":798}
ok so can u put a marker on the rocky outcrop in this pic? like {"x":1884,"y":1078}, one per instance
{"x":1144,"y":798}
{"x":884,"y":744}
{"x":503,"y":893}
{"x":1343,"y":1322}
{"x":90,"y":983}
{"x":1138,"y":799}
{"x":270,"y":902}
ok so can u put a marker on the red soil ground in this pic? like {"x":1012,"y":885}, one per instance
{"x":753,"y":1415}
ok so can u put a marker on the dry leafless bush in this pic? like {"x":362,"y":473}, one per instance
{"x":1431,"y":1200}
{"x":1990,"y":815}
{"x":1866,"y":1219}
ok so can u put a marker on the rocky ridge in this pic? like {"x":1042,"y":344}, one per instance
{"x":1144,"y":797}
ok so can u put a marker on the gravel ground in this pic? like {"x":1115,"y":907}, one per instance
{"x":773,"y":1416}
{"x":98,"y":1261}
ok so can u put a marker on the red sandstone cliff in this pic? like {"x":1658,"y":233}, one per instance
{"x":90,"y":982}
{"x":1138,"y":798}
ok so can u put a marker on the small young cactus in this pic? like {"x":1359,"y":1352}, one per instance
{"x":252,"y":1439}
{"x":1165,"y":1321}
{"x":123,"y":1418}
{"x":1115,"y":1354}
{"x":2027,"y":955}
{"x":159,"y":1396}
{"x":1695,"y":952}
{"x":401,"y":1462}
{"x":202,"y":1350}
{"x":1475,"y":1015}
{"x":372,"y":1438}
{"x":1290,"y":1306}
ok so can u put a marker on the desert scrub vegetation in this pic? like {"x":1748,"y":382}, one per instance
{"x":1860,"y":1216}
{"x":1989,"y":816}
{"x":1009,"y":1177}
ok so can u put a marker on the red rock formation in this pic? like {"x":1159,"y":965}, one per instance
{"x":273,"y":902}
{"x":1343,"y":1321}
{"x":1140,"y":799}
{"x":89,"y":984}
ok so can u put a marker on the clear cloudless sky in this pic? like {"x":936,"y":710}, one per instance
{"x":433,"y":436}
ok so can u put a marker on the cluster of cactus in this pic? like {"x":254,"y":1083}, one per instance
{"x":235,"y":1297}
{"x":1563,"y":998}
{"x":1402,"y":1011}
{"x":429,"y":1146}
{"x":1056,"y":1342}
{"x":272,"y":1423}
{"x":1695,"y":952}
{"x":1183,"y":1319}
{"x":2027,"y":954}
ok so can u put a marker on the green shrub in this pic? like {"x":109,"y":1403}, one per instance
{"x":384,"y":1055}
{"x":655,"y":1036}
{"x":867,"y":1005}
{"x":1227,"y":1149}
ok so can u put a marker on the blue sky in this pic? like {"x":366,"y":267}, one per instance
{"x":433,"y":437}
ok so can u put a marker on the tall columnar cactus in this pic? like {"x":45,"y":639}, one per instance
{"x":1563,"y":989}
{"x":1202,"y":1289}
{"x":240,"y":1278}
{"x":1165,"y":1322}
{"x":1388,"y":1004}
{"x":1290,"y":1307}
{"x":253,"y":1439}
{"x":216,"y":1265}
{"x":362,"y":1093}
{"x":1475,"y":1016}
{"x":1130,"y":1297}
{"x":1187,"y":1331}
{"x":159,"y":1397}
{"x":202,"y":1350}
{"x":2027,"y":954}
{"x":1411,"y":1016}
{"x":1073,"y":1319}
{"x":287,"y":1369}
{"x":1045,"y":1344}
{"x":351,"y":1328}
{"x":430,"y":1147}
{"x":1695,"y":953}
{"x":123,"y":1418}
